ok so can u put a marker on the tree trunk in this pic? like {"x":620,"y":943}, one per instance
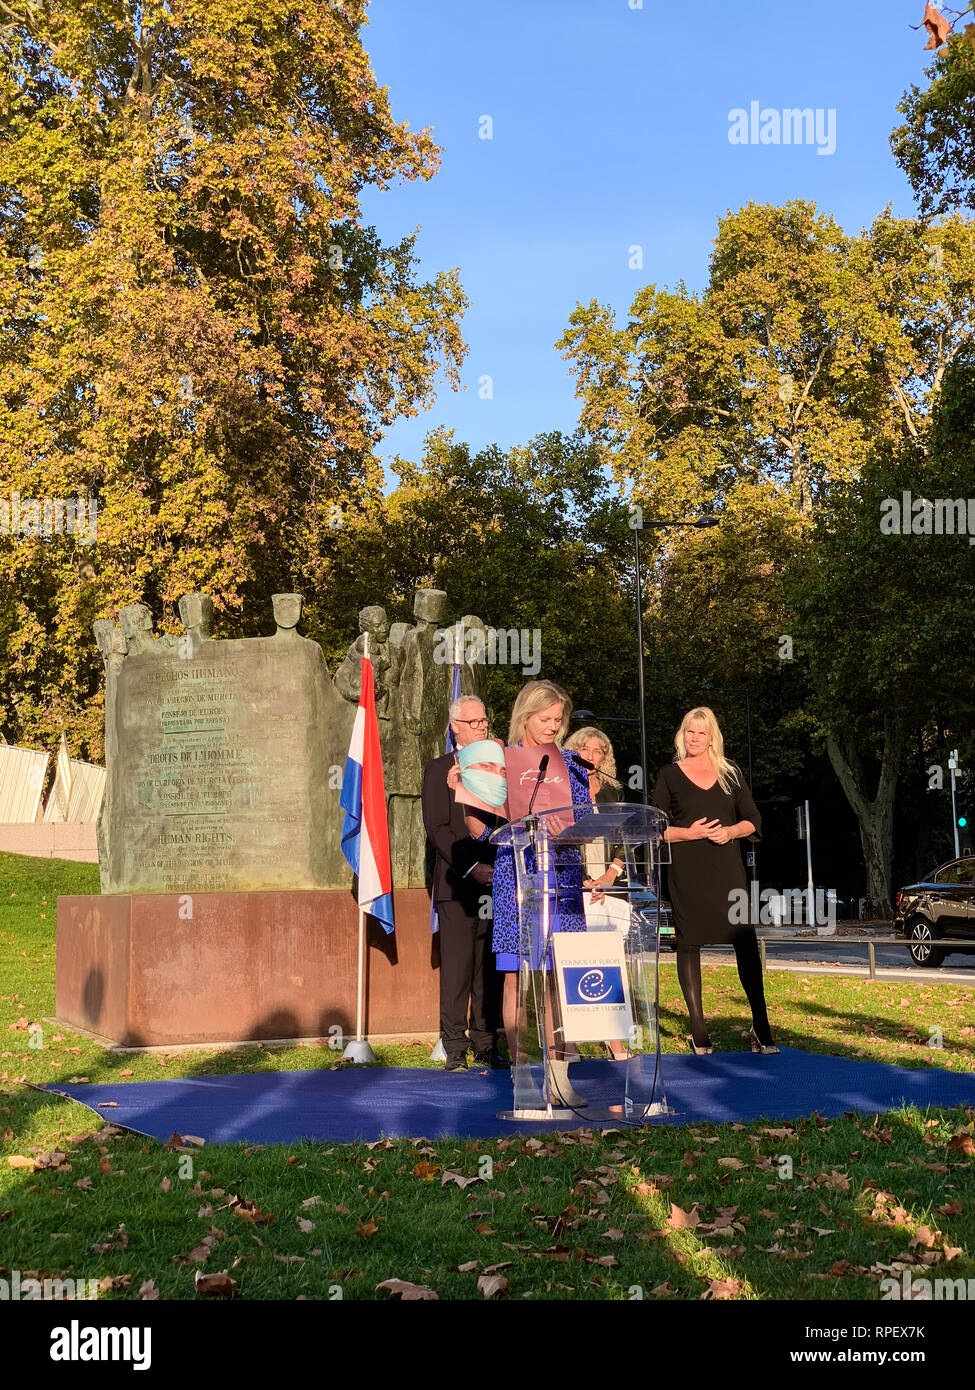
{"x":875,"y":815}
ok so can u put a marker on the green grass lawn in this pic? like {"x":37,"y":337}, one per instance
{"x":702,"y":1211}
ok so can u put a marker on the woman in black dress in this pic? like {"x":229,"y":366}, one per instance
{"x":710,"y":807}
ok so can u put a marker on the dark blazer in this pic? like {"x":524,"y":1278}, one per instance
{"x":455,"y":850}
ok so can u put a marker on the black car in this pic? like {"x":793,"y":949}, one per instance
{"x":939,"y":909}
{"x":645,"y":899}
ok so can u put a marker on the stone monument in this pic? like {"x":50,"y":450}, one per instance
{"x":226,"y":910}
{"x":217,"y":758}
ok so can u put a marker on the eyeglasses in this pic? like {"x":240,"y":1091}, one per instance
{"x":474,"y":723}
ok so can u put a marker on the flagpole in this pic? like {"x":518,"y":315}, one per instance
{"x":359,"y":1050}
{"x":439,"y":1052}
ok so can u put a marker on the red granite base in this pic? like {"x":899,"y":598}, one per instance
{"x":155,"y":969}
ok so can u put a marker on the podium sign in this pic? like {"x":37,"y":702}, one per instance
{"x":593,"y":984}
{"x":586,"y":986}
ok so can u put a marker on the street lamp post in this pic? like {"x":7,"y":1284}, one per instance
{"x":700,"y":523}
{"x":732,"y":690}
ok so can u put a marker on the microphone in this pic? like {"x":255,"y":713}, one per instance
{"x":543,"y":764}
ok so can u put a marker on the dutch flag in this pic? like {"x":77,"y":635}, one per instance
{"x":365,"y":833}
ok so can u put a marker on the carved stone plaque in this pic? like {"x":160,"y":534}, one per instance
{"x":219,"y":779}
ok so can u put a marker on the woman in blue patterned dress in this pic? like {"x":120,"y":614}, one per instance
{"x":540,"y":715}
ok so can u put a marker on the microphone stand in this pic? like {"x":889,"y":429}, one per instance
{"x":531,"y":825}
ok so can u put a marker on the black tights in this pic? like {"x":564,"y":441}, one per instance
{"x":749,"y":972}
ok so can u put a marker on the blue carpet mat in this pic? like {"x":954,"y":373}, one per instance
{"x":369,"y":1103}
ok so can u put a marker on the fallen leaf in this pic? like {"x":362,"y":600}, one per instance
{"x":213,"y":1285}
{"x":306,"y":1227}
{"x":680,"y":1220}
{"x":492,"y":1284}
{"x":249,"y":1211}
{"x":723,"y":1288}
{"x":923,"y":1236}
{"x":409,"y":1293}
{"x":461,"y":1179}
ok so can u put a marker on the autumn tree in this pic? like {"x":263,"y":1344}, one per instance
{"x":882,"y":621}
{"x":935,"y":145}
{"x":534,"y":537}
{"x":807,"y":351}
{"x":199,"y":330}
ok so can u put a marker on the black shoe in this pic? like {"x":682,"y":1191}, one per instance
{"x":767,"y":1049}
{"x":487,"y":1057}
{"x":458,"y":1063}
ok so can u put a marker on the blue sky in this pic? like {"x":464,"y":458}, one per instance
{"x":610,"y":130}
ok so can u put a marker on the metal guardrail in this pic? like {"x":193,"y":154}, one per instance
{"x":950,"y":944}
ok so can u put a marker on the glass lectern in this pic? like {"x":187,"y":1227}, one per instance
{"x":596,"y":985}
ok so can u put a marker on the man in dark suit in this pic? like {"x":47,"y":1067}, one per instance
{"x":461,"y":890}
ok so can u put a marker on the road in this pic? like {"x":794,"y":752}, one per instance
{"x":810,"y":957}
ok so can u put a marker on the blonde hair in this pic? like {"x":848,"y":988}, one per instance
{"x":726,"y":773}
{"x":606,"y":772}
{"x":535,"y":696}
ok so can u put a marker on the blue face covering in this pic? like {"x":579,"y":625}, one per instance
{"x":489,"y":787}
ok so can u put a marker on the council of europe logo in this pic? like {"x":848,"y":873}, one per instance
{"x":589,"y":985}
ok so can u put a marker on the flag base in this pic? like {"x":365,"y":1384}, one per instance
{"x":358,"y":1050}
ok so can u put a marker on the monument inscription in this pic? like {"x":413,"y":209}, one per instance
{"x":219,"y":769}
